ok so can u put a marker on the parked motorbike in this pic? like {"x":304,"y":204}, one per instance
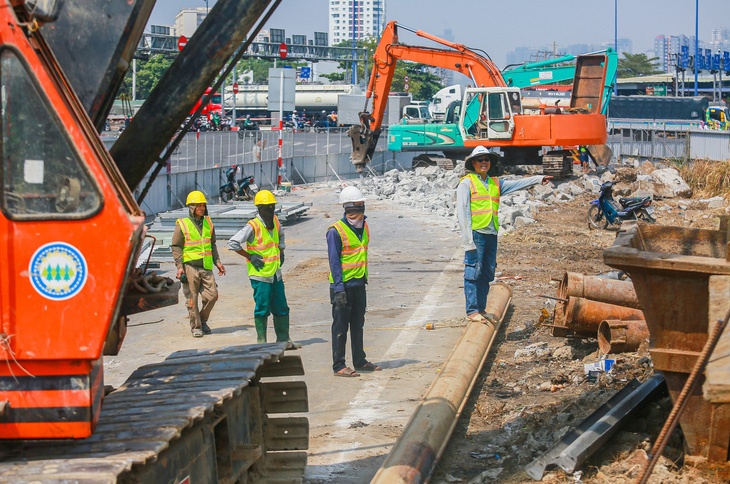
{"x":243,"y":189}
{"x":607,"y":211}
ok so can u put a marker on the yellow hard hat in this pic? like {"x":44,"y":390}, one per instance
{"x":264,"y":197}
{"x":195,"y":197}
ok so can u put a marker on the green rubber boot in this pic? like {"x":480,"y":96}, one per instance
{"x":260,"y":329}
{"x":281,"y":328}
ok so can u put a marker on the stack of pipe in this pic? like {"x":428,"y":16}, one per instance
{"x":597,"y":307}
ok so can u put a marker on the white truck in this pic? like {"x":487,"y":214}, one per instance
{"x":440,"y":102}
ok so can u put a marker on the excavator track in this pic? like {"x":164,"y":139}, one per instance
{"x":200,"y":416}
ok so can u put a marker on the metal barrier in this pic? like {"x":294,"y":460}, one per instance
{"x":657,"y":140}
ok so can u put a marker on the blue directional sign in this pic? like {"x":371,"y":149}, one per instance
{"x":684,"y":62}
{"x":716,"y":62}
{"x":305,"y":72}
{"x":726,"y":60}
{"x":708,"y":59}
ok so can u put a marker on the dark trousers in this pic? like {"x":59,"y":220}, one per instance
{"x":479,"y":267}
{"x":352,"y":317}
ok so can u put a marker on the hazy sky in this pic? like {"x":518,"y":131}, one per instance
{"x":498,"y":27}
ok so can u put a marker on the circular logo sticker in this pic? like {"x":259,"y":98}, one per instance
{"x":58,"y":271}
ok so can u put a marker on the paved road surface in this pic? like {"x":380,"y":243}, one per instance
{"x":415,"y":277}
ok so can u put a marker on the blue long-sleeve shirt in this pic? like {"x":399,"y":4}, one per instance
{"x":334,"y":254}
{"x":463,"y":204}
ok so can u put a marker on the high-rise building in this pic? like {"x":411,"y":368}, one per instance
{"x":355,"y":19}
{"x":188,"y":20}
{"x":661,"y":52}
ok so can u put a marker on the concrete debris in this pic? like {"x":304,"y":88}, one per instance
{"x":487,"y":476}
{"x":668,"y":183}
{"x":646,"y":168}
{"x":566,"y":352}
{"x":535,"y":350}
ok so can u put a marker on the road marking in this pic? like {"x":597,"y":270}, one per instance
{"x":366,"y":406}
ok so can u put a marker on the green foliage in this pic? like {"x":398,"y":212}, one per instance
{"x":334,"y":77}
{"x":149,"y":73}
{"x":637,"y":65}
{"x":421,"y":83}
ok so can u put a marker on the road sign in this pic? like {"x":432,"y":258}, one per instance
{"x":235,"y":88}
{"x":405,"y":87}
{"x":181,"y":42}
{"x":282,"y":50}
{"x":406,"y":79}
{"x":305,"y":72}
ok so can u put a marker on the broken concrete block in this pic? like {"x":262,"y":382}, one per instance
{"x":668,"y":183}
{"x":522,"y":221}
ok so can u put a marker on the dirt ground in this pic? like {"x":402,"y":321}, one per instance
{"x":513,"y":416}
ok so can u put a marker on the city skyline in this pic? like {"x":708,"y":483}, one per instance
{"x":509,"y":28}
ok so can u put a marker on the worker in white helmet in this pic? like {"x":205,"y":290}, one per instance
{"x":347,"y":250}
{"x":477,"y":207}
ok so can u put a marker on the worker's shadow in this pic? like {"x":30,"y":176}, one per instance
{"x":310,"y":341}
{"x":393,"y":364}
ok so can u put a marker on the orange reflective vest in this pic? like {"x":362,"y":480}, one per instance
{"x":354,"y":254}
{"x":484,"y":201}
{"x":197,"y":246}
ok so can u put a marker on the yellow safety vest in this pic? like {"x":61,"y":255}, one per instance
{"x":266,"y":244}
{"x":354,"y":254}
{"x":484,"y":202}
{"x":197,"y":246}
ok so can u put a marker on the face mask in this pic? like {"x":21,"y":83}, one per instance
{"x":267,"y":214}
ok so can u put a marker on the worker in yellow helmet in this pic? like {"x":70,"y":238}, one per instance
{"x":261,"y":241}
{"x":195,"y":254}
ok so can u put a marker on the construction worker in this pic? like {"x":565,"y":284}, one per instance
{"x":195,"y":253}
{"x":347,"y":250}
{"x":263,"y":239}
{"x":477,"y":207}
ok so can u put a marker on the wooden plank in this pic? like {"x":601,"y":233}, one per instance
{"x":717,"y":374}
{"x":263,"y":350}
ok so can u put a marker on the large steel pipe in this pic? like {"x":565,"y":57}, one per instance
{"x":617,"y":336}
{"x":583,"y":316}
{"x":596,"y":288}
{"x":417,"y":450}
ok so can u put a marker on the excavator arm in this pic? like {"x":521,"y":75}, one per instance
{"x":458,"y":58}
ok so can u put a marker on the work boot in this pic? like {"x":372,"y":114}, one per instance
{"x":206,"y":329}
{"x":260,"y":329}
{"x":281,"y":327}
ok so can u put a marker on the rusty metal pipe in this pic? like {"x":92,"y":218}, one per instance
{"x":418,"y":449}
{"x":583,"y":316}
{"x":610,"y":291}
{"x":618,"y":336}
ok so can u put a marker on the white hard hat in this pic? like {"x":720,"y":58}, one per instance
{"x":351,"y":194}
{"x":477,"y":152}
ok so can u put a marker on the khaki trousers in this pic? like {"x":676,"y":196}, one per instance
{"x":200,"y":282}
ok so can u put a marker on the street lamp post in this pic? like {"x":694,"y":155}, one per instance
{"x":697,"y":42}
{"x":615,"y":40}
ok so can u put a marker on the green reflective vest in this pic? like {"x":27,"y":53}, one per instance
{"x":265,"y":244}
{"x":197,"y":246}
{"x":354,"y":254}
{"x":484,"y":202}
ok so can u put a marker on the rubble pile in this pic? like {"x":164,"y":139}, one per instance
{"x":433,"y":189}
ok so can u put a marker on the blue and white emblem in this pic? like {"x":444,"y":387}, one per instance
{"x":58,"y":271}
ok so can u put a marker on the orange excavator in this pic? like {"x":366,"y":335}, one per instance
{"x":71,"y":234}
{"x":491,"y":113}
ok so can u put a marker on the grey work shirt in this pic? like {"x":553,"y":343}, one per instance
{"x":178,"y":244}
{"x":246,"y":236}
{"x":463,"y":205}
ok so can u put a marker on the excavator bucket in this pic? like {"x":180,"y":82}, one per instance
{"x":601,"y":154}
{"x":364,"y":141}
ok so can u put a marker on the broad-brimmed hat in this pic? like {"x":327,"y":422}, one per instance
{"x":478,"y":152}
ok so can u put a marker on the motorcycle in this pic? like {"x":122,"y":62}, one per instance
{"x":321,"y":126}
{"x":248,"y":129}
{"x":243,"y":189}
{"x":300,"y":126}
{"x":607,"y":211}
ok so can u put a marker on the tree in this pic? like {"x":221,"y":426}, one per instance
{"x":421,"y":83}
{"x":637,"y":65}
{"x":149,"y":73}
